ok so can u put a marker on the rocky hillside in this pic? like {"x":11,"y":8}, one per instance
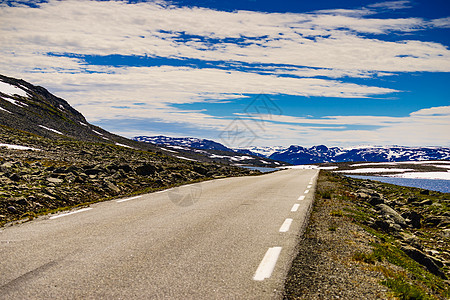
{"x":371,"y":240}
{"x":34,"y":109}
{"x":51,"y":158}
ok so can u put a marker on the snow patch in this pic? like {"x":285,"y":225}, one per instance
{"x":50,"y":129}
{"x":328,"y":168}
{"x":1,"y":108}
{"x":11,"y":90}
{"x":373,"y":164}
{"x":185,"y":158}
{"x":424,"y":175}
{"x":168,"y":150}
{"x":300,"y":167}
{"x":18,"y":147}
{"x":375,"y":170}
{"x":122,"y":145}
{"x":441,"y":166}
{"x":97,"y":132}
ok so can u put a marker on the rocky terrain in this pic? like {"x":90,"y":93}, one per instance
{"x":371,"y":240}
{"x":67,"y":173}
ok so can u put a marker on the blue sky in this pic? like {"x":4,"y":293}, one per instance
{"x":244,"y":71}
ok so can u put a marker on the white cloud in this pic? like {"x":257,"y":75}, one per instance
{"x":320,"y":40}
{"x":331,"y":44}
{"x":392,"y":5}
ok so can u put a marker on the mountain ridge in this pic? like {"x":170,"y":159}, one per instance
{"x":296,"y":154}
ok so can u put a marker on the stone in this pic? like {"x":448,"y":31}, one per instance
{"x":389,"y":211}
{"x":146,"y":170}
{"x":92,"y":171}
{"x":424,"y":260}
{"x":446,"y":233}
{"x":54,"y":180}
{"x":201,"y":170}
{"x":437,"y":221}
{"x":11,"y":209}
{"x":413,"y":218}
{"x":124,"y":167}
{"x":424,"y":203}
{"x":112,"y":187}
{"x":15,"y":177}
{"x":376,"y":200}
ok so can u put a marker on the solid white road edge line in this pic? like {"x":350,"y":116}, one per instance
{"x":128,"y":199}
{"x":295,"y":207}
{"x":267,"y":264}
{"x":301,"y":198}
{"x":71,"y":213}
{"x":285,"y":227}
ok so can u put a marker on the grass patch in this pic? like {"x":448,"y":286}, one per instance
{"x":337,"y":213}
{"x":368,"y":258}
{"x":404,"y":290}
{"x":419,"y":276}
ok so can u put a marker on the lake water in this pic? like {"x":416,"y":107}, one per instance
{"x":261,"y":169}
{"x":438,"y":185}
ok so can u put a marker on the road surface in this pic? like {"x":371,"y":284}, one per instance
{"x":230,"y":238}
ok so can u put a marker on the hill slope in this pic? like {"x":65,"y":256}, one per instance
{"x":52,"y":158}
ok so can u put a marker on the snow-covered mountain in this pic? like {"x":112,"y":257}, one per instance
{"x":320,"y":154}
{"x":183,"y":142}
{"x":317,"y":154}
{"x":261,"y":151}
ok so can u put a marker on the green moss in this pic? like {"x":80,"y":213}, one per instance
{"x":405,"y":290}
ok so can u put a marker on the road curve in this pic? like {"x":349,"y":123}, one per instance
{"x":229,"y":238}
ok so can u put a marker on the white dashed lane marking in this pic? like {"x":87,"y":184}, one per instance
{"x":301,"y":198}
{"x":128,"y":199}
{"x":71,"y":213}
{"x":295,"y":207}
{"x":267,"y":264}
{"x":286,"y":225}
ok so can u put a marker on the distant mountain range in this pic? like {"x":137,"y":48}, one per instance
{"x":298,"y":155}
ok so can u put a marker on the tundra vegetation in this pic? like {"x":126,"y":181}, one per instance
{"x":371,"y":240}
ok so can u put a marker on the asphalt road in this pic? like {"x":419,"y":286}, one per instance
{"x":229,"y":238}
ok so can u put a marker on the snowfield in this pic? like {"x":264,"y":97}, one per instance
{"x":374,"y":170}
{"x":18,"y":147}
{"x":423,"y":175}
{"x":50,"y":129}
{"x":11,"y":90}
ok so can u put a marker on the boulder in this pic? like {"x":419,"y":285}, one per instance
{"x":54,"y":180}
{"x":424,"y":202}
{"x":437,"y":221}
{"x":413,"y":218}
{"x":15,"y":177}
{"x":424,"y":260}
{"x":389,"y":211}
{"x":146,"y":170}
{"x":112,"y":187}
{"x":376,"y":200}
